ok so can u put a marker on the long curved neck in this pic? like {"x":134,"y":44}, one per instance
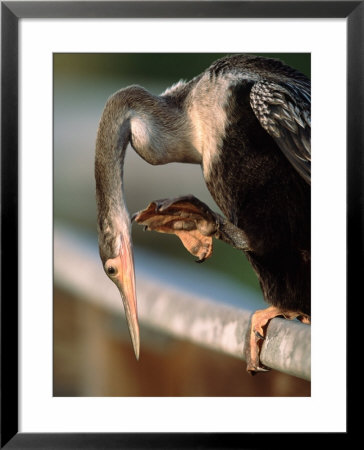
{"x":112,"y":216}
{"x":157,"y":130}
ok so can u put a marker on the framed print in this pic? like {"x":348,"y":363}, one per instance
{"x":69,"y":375}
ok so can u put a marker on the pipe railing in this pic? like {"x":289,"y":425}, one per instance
{"x":167,"y":306}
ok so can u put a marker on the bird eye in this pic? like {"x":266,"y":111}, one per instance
{"x":111,"y":270}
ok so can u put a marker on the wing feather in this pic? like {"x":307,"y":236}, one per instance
{"x":284,"y":111}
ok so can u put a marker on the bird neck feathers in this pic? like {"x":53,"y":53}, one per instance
{"x":157,"y":130}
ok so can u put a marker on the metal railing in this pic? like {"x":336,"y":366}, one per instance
{"x":182,"y":313}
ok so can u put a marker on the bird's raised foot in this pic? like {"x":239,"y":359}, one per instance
{"x":186,"y":217}
{"x":257,"y":332}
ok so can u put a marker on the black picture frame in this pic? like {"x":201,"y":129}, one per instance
{"x":11,"y":12}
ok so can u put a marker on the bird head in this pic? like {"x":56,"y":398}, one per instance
{"x":115,"y":247}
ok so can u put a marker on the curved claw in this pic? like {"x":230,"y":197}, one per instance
{"x":199,"y":261}
{"x":253,"y":370}
{"x":258,"y":335}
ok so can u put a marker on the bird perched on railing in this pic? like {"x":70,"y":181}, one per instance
{"x":246,"y":121}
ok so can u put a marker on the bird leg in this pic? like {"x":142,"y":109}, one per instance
{"x":257,"y":333}
{"x":193,"y":222}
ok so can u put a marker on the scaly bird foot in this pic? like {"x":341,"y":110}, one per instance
{"x":187,"y":217}
{"x":257,"y":333}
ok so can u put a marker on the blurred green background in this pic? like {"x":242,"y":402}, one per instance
{"x":82,"y":84}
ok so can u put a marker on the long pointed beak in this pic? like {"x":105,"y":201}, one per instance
{"x":125,"y":281}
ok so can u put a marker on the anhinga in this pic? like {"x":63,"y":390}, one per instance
{"x":246,"y":121}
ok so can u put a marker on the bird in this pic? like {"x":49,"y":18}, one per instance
{"x":246,"y":120}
